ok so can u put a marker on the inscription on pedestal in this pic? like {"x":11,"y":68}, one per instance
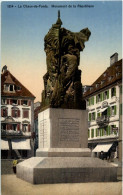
{"x":69,"y":130}
{"x":43,"y":134}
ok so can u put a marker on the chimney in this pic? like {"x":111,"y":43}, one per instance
{"x":113,"y":58}
{"x":4,"y":69}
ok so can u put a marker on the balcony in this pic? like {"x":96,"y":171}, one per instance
{"x":13,"y":133}
{"x":102,"y":121}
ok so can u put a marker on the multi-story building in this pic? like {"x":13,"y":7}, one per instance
{"x":103,"y":102}
{"x":37,"y":108}
{"x":17,"y":117}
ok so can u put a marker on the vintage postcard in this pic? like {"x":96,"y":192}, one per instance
{"x":61,"y":97}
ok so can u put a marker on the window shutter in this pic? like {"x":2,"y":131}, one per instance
{"x":96,"y":132}
{"x":7,"y":101}
{"x":89,"y":102}
{"x":108,"y":111}
{"x":89,"y":116}
{"x":115,"y":110}
{"x":121,"y":89}
{"x":18,"y":113}
{"x":94,"y":115}
{"x":103,"y":96}
{"x":6,"y":112}
{"x":12,"y":113}
{"x":18,"y":102}
{"x":18,"y":127}
{"x":21,"y":102}
{"x":115,"y":91}
{"x":107,"y":130}
{"x":28,"y":127}
{"x":102,"y":132}
{"x":91,"y":133}
{"x":108,"y":94}
{"x":2,"y":112}
{"x":96,"y":98}
{"x":29,"y":102}
{"x":11,"y":101}
{"x":120,"y":109}
{"x":25,"y":114}
{"x":88,"y":133}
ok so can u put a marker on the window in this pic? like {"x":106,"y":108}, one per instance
{"x":14,"y":127}
{"x":113,"y":110}
{"x":14,"y":102}
{"x":97,"y":132}
{"x":113,"y":92}
{"x":110,"y":78}
{"x":25,"y":102}
{"x":4,"y":112}
{"x":3,"y":126}
{"x":26,"y":127}
{"x":11,"y":87}
{"x":92,"y":133}
{"x":93,"y":116}
{"x":6,"y":87}
{"x":18,"y":88}
{"x":99,"y":98}
{"x":106,"y":95}
{"x":114,"y":130}
{"x":91,"y":101}
{"x":97,"y":85}
{"x":4,"y":101}
{"x":25,"y":113}
{"x":15,"y":112}
{"x":102,"y":82}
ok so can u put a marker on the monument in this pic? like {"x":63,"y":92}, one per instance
{"x":63,"y":156}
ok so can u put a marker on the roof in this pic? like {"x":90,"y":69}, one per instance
{"x":8,"y":78}
{"x":110,"y":76}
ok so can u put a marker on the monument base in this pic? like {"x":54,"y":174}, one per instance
{"x":63,"y":152}
{"x":47,"y":170}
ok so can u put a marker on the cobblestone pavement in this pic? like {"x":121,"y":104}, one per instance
{"x":11,"y":185}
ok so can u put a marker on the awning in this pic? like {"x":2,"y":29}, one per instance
{"x":102,"y":147}
{"x":23,"y":144}
{"x":4,"y":145}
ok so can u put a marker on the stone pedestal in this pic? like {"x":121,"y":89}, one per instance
{"x":63,"y":128}
{"x":63,"y":156}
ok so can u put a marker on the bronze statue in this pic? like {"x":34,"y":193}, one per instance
{"x":62,"y":82}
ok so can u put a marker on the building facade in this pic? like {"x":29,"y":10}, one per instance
{"x":17,"y":118}
{"x":104,"y":105}
{"x":37,"y":109}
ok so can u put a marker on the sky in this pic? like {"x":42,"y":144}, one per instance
{"x":23,"y":30}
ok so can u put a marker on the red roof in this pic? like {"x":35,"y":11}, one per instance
{"x":7,"y":77}
{"x":110,"y":76}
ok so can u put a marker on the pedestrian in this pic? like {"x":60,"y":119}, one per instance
{"x":102,"y":155}
{"x":14,"y":165}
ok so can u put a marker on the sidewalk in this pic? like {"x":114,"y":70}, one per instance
{"x":11,"y":185}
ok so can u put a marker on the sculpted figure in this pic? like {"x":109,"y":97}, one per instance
{"x":62,"y":82}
